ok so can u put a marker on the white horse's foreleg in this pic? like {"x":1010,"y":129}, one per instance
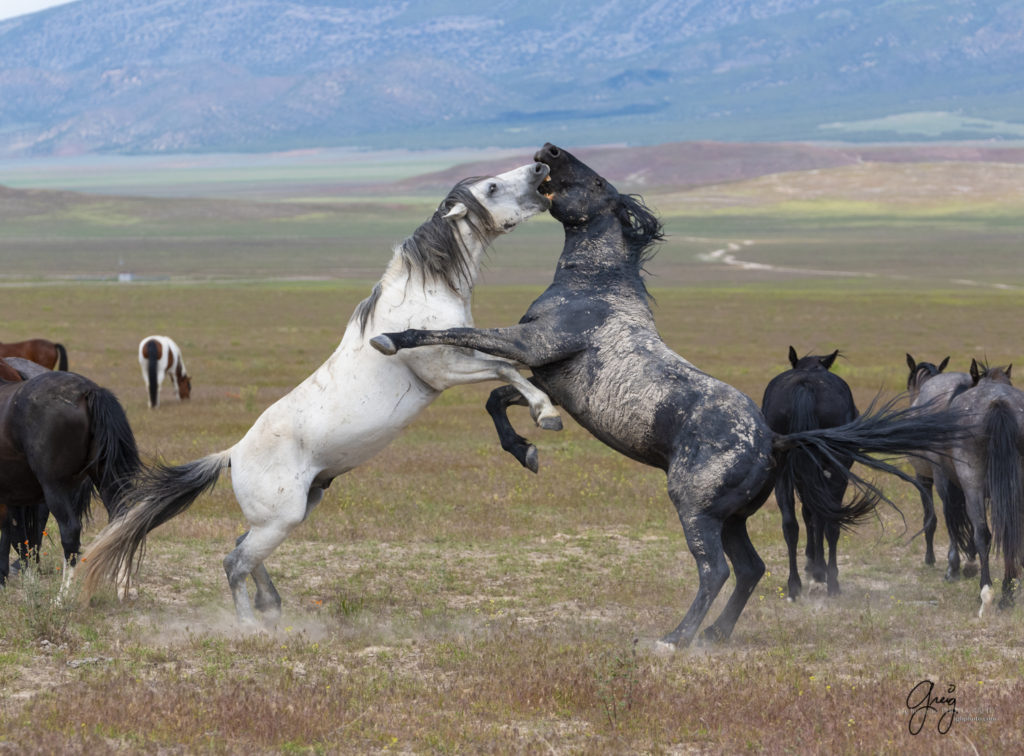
{"x":445,"y":367}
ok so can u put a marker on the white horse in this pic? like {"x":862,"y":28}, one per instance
{"x":160,"y":357}
{"x":354,"y":404}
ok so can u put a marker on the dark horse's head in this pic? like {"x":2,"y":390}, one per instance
{"x":982,"y":371}
{"x":581,"y":198}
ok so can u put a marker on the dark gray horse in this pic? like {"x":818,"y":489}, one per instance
{"x":928,"y":385}
{"x":593,"y":346}
{"x":803,"y":398}
{"x":989,"y":464}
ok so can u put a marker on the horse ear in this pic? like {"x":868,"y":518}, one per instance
{"x":912,"y":363}
{"x":826,"y":362}
{"x":793,"y":359}
{"x":458,"y":210}
{"x":942,"y":365}
{"x":1009,"y":369}
{"x":975,"y":372}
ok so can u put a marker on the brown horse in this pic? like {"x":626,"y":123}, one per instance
{"x":49,"y":354}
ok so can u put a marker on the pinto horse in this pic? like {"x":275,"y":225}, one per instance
{"x":354,"y":404}
{"x":594,"y":348}
{"x":49,"y":354}
{"x":989,"y":463}
{"x":803,"y":398}
{"x":61,"y":437}
{"x":160,"y":357}
{"x":928,"y":385}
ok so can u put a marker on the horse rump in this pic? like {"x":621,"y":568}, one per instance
{"x":1003,"y":480}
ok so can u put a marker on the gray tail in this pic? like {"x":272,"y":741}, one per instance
{"x":1003,"y":480}
{"x":158,"y":494}
{"x":883,"y":430}
{"x":62,"y":357}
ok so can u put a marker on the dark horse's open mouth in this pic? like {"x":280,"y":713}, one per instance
{"x":548,"y":154}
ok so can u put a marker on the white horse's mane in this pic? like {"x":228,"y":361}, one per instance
{"x":436,"y":249}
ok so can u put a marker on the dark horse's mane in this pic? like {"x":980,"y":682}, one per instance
{"x":642,"y":229}
{"x":435,"y":249}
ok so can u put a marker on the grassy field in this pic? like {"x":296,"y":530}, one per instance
{"x":443,"y":599}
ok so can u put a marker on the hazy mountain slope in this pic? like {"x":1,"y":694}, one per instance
{"x":187,"y":75}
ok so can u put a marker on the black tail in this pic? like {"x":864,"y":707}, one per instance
{"x":159,"y":493}
{"x":62,"y":357}
{"x":802,"y":469}
{"x":152,"y":360}
{"x":1003,"y":480}
{"x":887,"y":431}
{"x":114,"y":458}
{"x":958,"y":523}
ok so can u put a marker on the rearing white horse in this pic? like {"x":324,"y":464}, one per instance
{"x":353,"y":405}
{"x":159,"y":357}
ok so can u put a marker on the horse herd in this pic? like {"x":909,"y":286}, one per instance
{"x":593,"y":349}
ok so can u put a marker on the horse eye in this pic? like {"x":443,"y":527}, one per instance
{"x":600,"y":182}
{"x":492,"y":189}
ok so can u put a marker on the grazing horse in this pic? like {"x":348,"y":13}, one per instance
{"x":49,"y":354}
{"x":989,"y":463}
{"x":159,"y":357}
{"x":354,"y":404}
{"x":594,"y":348}
{"x":928,"y":385}
{"x":61,"y":437}
{"x":803,"y":398}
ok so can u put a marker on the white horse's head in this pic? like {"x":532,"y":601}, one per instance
{"x":509,"y":197}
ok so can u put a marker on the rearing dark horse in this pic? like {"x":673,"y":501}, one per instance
{"x":594,"y":348}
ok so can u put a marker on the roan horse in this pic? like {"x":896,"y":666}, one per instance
{"x":803,"y":398}
{"x":593,"y":346}
{"x":159,"y":356}
{"x":928,"y":385}
{"x":989,"y":463}
{"x":354,"y":404}
{"x":49,"y":354}
{"x":61,"y":436}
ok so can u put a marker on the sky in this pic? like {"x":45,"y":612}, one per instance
{"x":9,"y":8}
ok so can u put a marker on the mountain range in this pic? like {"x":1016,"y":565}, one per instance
{"x":164,"y":76}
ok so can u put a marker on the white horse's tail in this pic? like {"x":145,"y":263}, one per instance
{"x":158,"y":494}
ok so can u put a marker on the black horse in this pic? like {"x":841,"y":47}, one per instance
{"x":928,"y":385}
{"x":61,"y":436}
{"x":803,"y":398}
{"x":593,"y":346}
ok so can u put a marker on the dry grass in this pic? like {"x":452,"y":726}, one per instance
{"x":442,"y":599}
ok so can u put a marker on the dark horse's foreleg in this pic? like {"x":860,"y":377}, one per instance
{"x":498,"y":403}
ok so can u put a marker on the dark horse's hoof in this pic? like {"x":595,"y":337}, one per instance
{"x":383,"y":344}
{"x":530,"y":459}
{"x":713,"y":636}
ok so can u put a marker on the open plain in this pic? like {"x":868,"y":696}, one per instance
{"x":444,"y":599}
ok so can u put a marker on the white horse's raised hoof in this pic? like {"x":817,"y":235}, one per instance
{"x":384,"y":345}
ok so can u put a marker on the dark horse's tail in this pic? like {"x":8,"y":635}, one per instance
{"x":159,"y":493}
{"x":1003,"y":479}
{"x":886,"y":431}
{"x":801,"y":469}
{"x":152,"y":352}
{"x":62,"y":357}
{"x":114,"y":457}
